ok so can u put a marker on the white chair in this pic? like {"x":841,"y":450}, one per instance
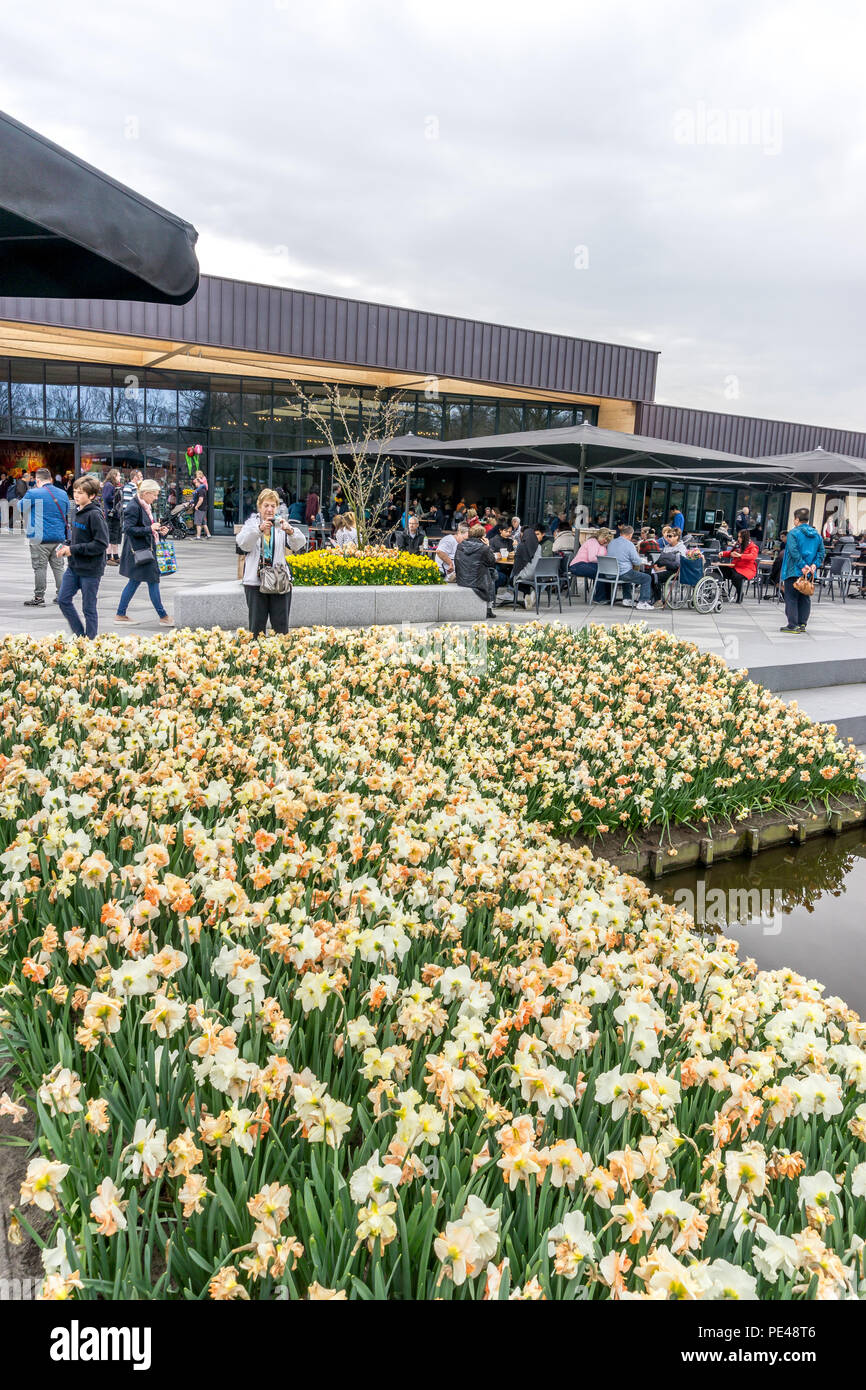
{"x":608,"y":573}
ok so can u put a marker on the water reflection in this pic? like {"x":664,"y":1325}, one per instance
{"x":802,"y":906}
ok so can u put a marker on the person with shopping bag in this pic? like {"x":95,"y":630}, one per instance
{"x":266,"y":540}
{"x":804,"y":553}
{"x":138,"y":559}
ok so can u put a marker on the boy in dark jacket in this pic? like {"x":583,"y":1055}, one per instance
{"x":88,"y":543}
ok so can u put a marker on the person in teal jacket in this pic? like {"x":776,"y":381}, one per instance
{"x":804,"y":552}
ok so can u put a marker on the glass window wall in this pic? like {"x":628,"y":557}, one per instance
{"x":27,"y":397}
{"x":458,"y":418}
{"x":61,"y":400}
{"x":484,"y":418}
{"x":160,"y":402}
{"x":96,"y":397}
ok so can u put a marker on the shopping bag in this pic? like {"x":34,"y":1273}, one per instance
{"x":165,"y":557}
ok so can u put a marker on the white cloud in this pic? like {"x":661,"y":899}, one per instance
{"x":453,"y":156}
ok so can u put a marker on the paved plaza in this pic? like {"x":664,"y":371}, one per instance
{"x":741,"y":634}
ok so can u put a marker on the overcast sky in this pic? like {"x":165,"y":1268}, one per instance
{"x":684,"y":176}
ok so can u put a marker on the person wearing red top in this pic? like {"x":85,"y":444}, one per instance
{"x":742,"y":563}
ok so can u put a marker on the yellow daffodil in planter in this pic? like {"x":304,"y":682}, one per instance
{"x":374,"y":565}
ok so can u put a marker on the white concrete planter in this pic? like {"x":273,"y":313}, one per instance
{"x":339,"y":605}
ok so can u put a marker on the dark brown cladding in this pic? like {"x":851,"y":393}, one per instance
{"x":741,"y":434}
{"x":294,"y":323}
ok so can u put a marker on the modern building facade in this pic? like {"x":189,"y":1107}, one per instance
{"x":97,"y":383}
{"x":93,"y":383}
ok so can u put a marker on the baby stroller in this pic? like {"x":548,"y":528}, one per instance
{"x":177,"y":521}
{"x":694,"y":586}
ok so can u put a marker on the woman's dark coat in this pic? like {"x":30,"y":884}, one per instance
{"x":137,"y":535}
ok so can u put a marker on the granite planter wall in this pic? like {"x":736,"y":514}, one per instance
{"x":224,"y":605}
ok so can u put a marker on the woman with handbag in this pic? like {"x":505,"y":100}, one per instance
{"x":138,"y":559}
{"x":804,"y":552}
{"x":265,"y":540}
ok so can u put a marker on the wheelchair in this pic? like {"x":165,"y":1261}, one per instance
{"x":696,"y":585}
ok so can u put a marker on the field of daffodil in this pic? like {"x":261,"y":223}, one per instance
{"x":309,"y":1002}
{"x":372,"y":565}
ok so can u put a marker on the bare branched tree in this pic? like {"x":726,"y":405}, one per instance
{"x":365,"y":471}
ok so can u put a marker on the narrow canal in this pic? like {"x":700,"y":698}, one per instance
{"x":802,"y":906}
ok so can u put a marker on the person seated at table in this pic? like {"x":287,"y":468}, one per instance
{"x":526,"y":557}
{"x":516,"y":529}
{"x":622,"y":549}
{"x":563,"y":539}
{"x":501,"y":538}
{"x":774,"y":580}
{"x":474,"y":565}
{"x":445,"y":549}
{"x":667,"y":562}
{"x":585,"y":562}
{"x":412,"y":540}
{"x":741,"y":563}
{"x":723,"y":536}
{"x":648,"y":545}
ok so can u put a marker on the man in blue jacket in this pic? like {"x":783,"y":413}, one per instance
{"x":45,"y":509}
{"x":804,"y":552}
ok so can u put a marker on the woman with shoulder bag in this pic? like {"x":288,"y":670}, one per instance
{"x":138,"y":563}
{"x":804,"y":553}
{"x":265,"y":540}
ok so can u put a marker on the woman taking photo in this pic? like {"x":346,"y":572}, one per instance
{"x":112,"y":505}
{"x":265,"y":540}
{"x":199,"y":504}
{"x":141,"y":531}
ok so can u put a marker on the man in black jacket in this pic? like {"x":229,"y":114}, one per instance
{"x":85,"y":552}
{"x":413,"y":539}
{"x":475,"y":566}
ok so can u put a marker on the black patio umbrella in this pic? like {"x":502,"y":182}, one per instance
{"x":576,"y":448}
{"x":820,"y":469}
{"x":68,"y":231}
{"x":414,"y":446}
